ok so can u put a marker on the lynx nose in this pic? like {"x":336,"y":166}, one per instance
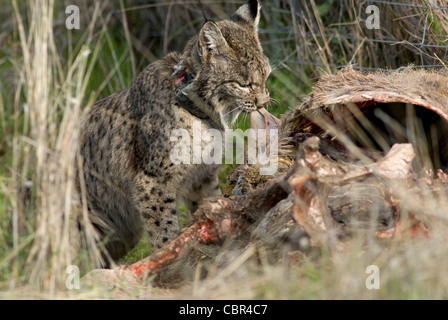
{"x":261,"y":100}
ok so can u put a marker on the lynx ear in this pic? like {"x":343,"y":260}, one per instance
{"x":211,"y":40}
{"x":248,"y":13}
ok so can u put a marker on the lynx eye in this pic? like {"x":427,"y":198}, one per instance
{"x":249,"y":85}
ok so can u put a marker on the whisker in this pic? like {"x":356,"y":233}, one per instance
{"x":232,"y":110}
{"x":276,"y":67}
{"x":274,"y":101}
{"x":235,"y":117}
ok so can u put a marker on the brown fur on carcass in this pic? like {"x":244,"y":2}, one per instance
{"x":428,"y":89}
{"x":403,"y":85}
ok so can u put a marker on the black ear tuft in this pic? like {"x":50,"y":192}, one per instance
{"x":248,"y":13}
{"x":204,"y":13}
{"x":253,"y":8}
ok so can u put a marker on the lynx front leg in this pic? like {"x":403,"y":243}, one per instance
{"x":157,"y":206}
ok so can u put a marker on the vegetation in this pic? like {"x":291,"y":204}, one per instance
{"x":49,"y":75}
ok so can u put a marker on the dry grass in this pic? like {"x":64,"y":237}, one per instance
{"x":49,"y":74}
{"x":39,"y":186}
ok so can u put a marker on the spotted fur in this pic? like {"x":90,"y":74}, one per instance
{"x":130,"y":182}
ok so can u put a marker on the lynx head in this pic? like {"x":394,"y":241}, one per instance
{"x":229,"y":65}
